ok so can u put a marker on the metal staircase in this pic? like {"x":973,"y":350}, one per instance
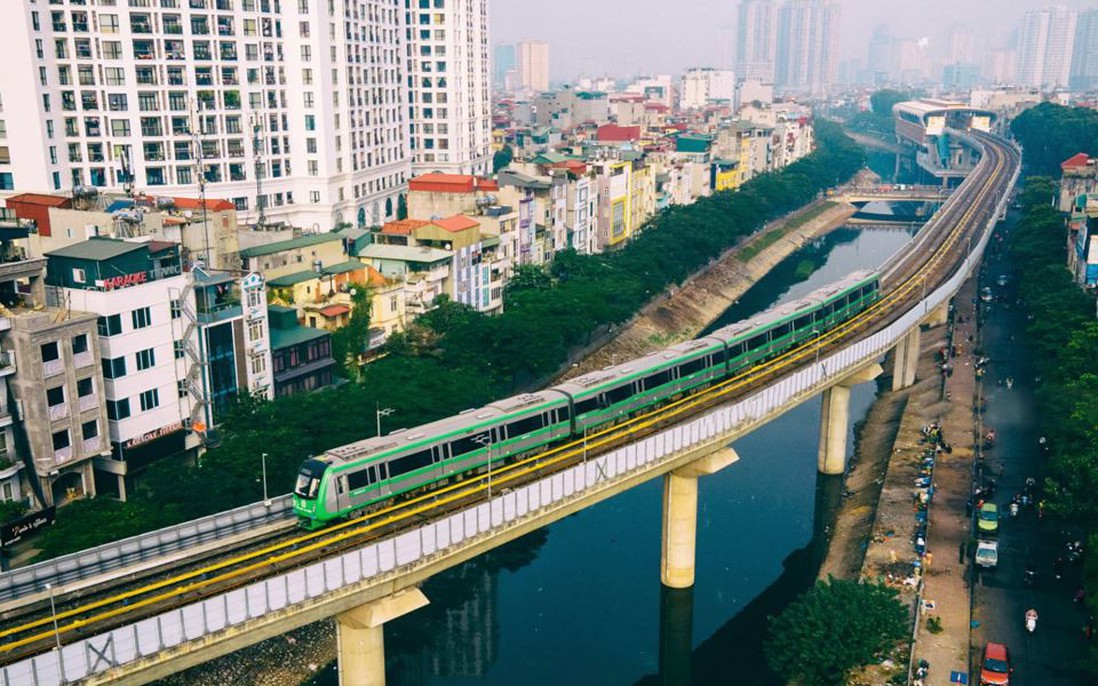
{"x":195,"y":365}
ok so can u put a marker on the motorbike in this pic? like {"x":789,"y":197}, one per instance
{"x":1031,"y":620}
{"x":1075,"y":551}
{"x":922,"y":670}
{"x":1030,"y":577}
{"x":1010,"y":382}
{"x":1014,"y":510}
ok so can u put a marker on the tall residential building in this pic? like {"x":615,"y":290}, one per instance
{"x":451,"y":126}
{"x":503,"y":61}
{"x":756,"y":33}
{"x":704,"y":86}
{"x":807,"y":46}
{"x":295,"y":107}
{"x":533,"y":65}
{"x":879,"y":56}
{"x":1045,"y":41}
{"x":1084,"y":61}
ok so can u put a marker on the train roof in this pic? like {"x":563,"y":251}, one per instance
{"x":462,"y":422}
{"x":638,"y":366}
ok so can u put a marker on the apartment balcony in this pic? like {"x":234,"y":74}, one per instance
{"x":92,"y":445}
{"x":53,"y":367}
{"x":83,"y":359}
{"x":59,"y":411}
{"x":89,"y":402}
{"x":7,"y":363}
{"x":15,"y":265}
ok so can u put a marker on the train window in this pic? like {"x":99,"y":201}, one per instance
{"x":719,"y":356}
{"x":409,"y":463}
{"x":802,"y":322}
{"x":658,"y":379}
{"x":781,"y":330}
{"x":616,"y":395}
{"x":736,"y":349}
{"x":756,"y":342}
{"x":564,"y":413}
{"x":361,"y":479}
{"x":467,"y":444}
{"x":585,"y":406}
{"x":526,"y":425}
{"x":693,"y":366}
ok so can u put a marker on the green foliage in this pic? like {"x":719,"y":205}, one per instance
{"x":883,"y":100}
{"x":1051,"y":133}
{"x":934,"y":624}
{"x":351,"y":340}
{"x":502,"y":158}
{"x":11,"y":509}
{"x":835,"y":626}
{"x":878,"y":119}
{"x":454,"y":358}
{"x":88,"y":523}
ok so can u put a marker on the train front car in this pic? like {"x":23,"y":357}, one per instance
{"x":309,"y":494}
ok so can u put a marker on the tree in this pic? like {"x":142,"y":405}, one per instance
{"x":1051,"y":133}
{"x":836,"y":626}
{"x":502,"y":158}
{"x":351,"y":340}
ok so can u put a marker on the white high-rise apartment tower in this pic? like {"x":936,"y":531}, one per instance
{"x":308,"y":93}
{"x":756,"y":33}
{"x":1045,"y":41}
{"x":533,"y":65}
{"x":806,"y":57}
{"x":448,"y":79}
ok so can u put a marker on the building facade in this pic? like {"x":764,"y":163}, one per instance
{"x":533,"y":65}
{"x":305,"y":97}
{"x":447,"y":65}
{"x":756,"y":35}
{"x":806,"y":55}
{"x":1045,"y":44}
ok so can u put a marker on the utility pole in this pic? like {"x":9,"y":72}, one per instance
{"x":257,"y":154}
{"x":200,"y":169}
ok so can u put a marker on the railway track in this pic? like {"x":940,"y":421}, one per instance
{"x":905,"y":280}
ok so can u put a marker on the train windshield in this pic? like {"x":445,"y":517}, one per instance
{"x":308,"y":479}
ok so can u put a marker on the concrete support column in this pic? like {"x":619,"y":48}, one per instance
{"x":906,"y":360}
{"x":835,"y":415}
{"x":834,"y":418}
{"x":360,"y":639}
{"x":939,"y":316}
{"x":680,"y":516}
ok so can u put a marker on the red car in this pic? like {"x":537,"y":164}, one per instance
{"x":995,"y":666}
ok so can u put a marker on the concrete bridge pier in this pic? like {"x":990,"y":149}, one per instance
{"x":834,"y":418}
{"x":680,"y":516}
{"x":939,"y":316}
{"x":905,"y":360}
{"x":360,"y":639}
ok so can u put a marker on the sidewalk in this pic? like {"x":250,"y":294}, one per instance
{"x":946,"y":590}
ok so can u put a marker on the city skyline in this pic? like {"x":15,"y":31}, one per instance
{"x":706,"y":36}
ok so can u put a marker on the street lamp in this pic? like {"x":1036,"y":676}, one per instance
{"x":266,"y":499}
{"x":485,"y":440}
{"x":817,"y":333}
{"x":56,"y":632}
{"x":382,"y":412}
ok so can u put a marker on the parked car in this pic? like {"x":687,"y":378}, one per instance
{"x":995,"y":666}
{"x":987,"y":554}
{"x":987,"y":522}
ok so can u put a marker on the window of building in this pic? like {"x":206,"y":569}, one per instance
{"x":4,"y":447}
{"x":181,"y":389}
{"x":145,"y":359}
{"x":150,"y":400}
{"x":177,"y":347}
{"x":61,"y":440}
{"x":177,"y":309}
{"x":80,"y":344}
{"x":114,"y":368}
{"x":141,"y":318}
{"x":118,"y":409}
{"x":51,"y":351}
{"x":85,"y":387}
{"x":110,"y":325}
{"x":90,"y":429}
{"x":55,"y":396}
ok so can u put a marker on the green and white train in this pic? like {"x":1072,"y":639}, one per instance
{"x":351,"y":480}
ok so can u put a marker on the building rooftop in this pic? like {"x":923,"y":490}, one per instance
{"x":1077,"y":160}
{"x":211,"y":278}
{"x":451,"y":183}
{"x":403,"y":227}
{"x":284,"y":338}
{"x":615,"y":133}
{"x":343,"y":267}
{"x":334,"y":310}
{"x":353,"y":233}
{"x":458,"y":222}
{"x":40,"y":199}
{"x":97,"y":248}
{"x":287,"y":280}
{"x":292,"y":244}
{"x":405,"y":253}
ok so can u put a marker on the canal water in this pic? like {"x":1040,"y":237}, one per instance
{"x":580,"y":602}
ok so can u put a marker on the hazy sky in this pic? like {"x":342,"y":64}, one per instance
{"x":627,"y":37}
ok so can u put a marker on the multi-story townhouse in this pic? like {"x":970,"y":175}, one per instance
{"x":293,"y":109}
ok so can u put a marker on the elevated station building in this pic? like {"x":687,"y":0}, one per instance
{"x":923,"y":126}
